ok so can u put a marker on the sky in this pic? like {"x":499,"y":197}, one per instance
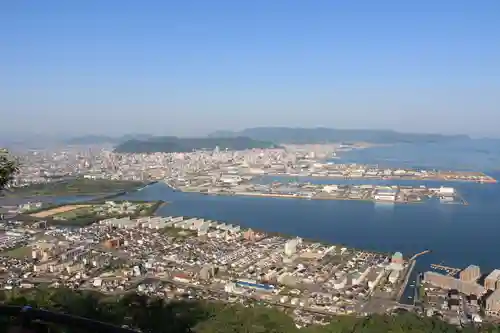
{"x":191,"y":67}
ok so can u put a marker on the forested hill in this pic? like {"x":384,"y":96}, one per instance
{"x":170,"y":144}
{"x":162,"y":315}
{"x":282,"y":135}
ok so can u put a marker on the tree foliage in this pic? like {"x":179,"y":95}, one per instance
{"x":151,"y":314}
{"x":8,"y":168}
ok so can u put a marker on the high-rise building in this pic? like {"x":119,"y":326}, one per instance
{"x":493,"y":302}
{"x":449,"y":282}
{"x":470,"y":274}
{"x":249,"y":235}
{"x":492,"y":281}
{"x":291,"y":246}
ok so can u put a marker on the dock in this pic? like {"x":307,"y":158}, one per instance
{"x":451,"y":271}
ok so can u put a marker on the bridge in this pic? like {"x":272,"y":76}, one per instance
{"x":419,"y":254}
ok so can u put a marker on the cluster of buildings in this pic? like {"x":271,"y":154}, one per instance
{"x":467,"y":284}
{"x":99,"y":162}
{"x":117,"y":255}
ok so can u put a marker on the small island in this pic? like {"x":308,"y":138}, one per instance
{"x":74,"y":186}
{"x":81,"y":214}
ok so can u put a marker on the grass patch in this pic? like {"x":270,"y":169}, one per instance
{"x":18,"y":253}
{"x":77,"y":186}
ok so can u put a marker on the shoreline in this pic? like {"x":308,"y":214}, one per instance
{"x":291,"y":196}
{"x":487,"y":180}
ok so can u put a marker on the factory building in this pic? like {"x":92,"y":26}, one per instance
{"x":249,"y":235}
{"x":492,"y":281}
{"x":230,"y":179}
{"x":385,"y":194}
{"x":446,"y":191}
{"x":449,"y":282}
{"x":470,"y":274}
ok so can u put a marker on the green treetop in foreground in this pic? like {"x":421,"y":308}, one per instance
{"x":8,"y":168}
{"x":159,"y":315}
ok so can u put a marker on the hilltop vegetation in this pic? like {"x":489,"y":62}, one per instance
{"x":290,"y":135}
{"x":168,"y":144}
{"x":159,"y":315}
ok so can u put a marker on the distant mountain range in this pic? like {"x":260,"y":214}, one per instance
{"x":258,"y":137}
{"x":169,"y":144}
{"x":283,"y":135}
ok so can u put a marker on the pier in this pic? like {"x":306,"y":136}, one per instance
{"x":451,"y":271}
{"x":419,"y":254}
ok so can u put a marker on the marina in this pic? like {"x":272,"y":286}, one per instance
{"x":451,"y":271}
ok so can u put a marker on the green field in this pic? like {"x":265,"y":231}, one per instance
{"x":18,"y":253}
{"x":77,"y":186}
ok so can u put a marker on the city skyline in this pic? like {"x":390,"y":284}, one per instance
{"x":188,"y":70}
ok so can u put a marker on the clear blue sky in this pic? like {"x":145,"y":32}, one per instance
{"x":190,"y":67}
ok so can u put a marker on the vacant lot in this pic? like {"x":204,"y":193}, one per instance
{"x":59,"y":210}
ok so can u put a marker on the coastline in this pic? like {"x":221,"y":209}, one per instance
{"x":291,"y":196}
{"x":487,"y":180}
